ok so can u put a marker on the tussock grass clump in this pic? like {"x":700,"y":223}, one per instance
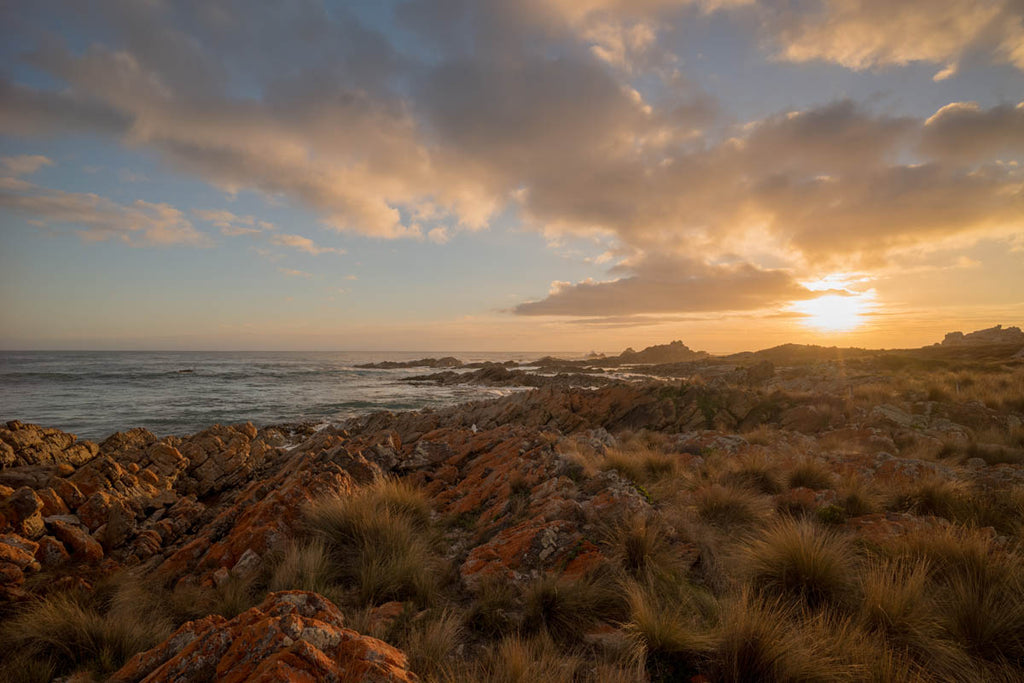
{"x":641,"y":546}
{"x":566,"y":608}
{"x":954,"y":551}
{"x":731,"y":507}
{"x":519,"y":491}
{"x":757,"y":641}
{"x":754,"y":473}
{"x":433,"y":646}
{"x":857,"y":498}
{"x":978,"y":589}
{"x":669,"y":633}
{"x":810,"y":474}
{"x":986,"y":614}
{"x":797,"y":559}
{"x":995,"y":454}
{"x":932,"y":496}
{"x":495,"y":609}
{"x":63,"y":634}
{"x":399,"y":498}
{"x":517,"y":659}
{"x":305,"y":566}
{"x":1001,"y":509}
{"x":898,"y":608}
{"x":642,"y":466}
{"x":378,"y":542}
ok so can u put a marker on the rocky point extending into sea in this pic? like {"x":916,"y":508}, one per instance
{"x":511,"y":499}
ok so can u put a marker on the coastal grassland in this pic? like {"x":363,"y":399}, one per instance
{"x":883,"y":543}
{"x":998,"y":385}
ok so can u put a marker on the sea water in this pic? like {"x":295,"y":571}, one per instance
{"x":95,"y":393}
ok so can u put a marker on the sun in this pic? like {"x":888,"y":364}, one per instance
{"x":835,"y":312}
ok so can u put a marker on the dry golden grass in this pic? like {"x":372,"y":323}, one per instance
{"x":640,"y":545}
{"x":730,"y":507}
{"x":495,"y":610}
{"x":756,"y":473}
{"x":433,"y":646}
{"x":378,"y":543}
{"x":759,"y":639}
{"x":304,"y":566}
{"x":669,"y":630}
{"x":66,"y":633}
{"x":999,"y":387}
{"x":799,"y":560}
{"x":810,"y":474}
{"x":642,"y":466}
{"x":857,"y":497}
{"x":933,"y":495}
{"x":516,"y":659}
{"x":565,"y":609}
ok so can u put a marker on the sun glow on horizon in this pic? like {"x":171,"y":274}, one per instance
{"x":836,"y":312}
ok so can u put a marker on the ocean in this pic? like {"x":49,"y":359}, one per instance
{"x":95,"y":393}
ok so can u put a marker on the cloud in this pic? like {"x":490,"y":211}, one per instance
{"x":290,"y":272}
{"x":98,"y":219}
{"x":303,"y":244}
{"x":232,"y":225}
{"x":670,"y":286}
{"x":25,"y":164}
{"x":863,"y":34}
{"x":361,"y":135}
{"x":575,"y":117}
{"x":964,"y":132}
{"x":438,"y":236}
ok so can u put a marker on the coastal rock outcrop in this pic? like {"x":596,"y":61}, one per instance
{"x":27,"y":444}
{"x":992,"y":335}
{"x":446,"y":362}
{"x":497,"y":375}
{"x":291,"y":636}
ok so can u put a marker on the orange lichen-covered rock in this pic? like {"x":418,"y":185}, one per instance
{"x":93,"y":512}
{"x":23,"y":512}
{"x":67,"y":492}
{"x":51,"y":552}
{"x":519,"y":550}
{"x":52,"y":503}
{"x":18,"y":551}
{"x":83,"y":547}
{"x":28,"y":444}
{"x":291,"y":636}
{"x":222,"y":456}
{"x":16,"y":559}
{"x":381,"y":617}
{"x":264,"y":516}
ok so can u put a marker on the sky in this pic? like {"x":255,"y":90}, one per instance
{"x":494,"y":175}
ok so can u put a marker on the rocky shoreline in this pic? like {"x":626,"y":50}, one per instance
{"x":512,"y":491}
